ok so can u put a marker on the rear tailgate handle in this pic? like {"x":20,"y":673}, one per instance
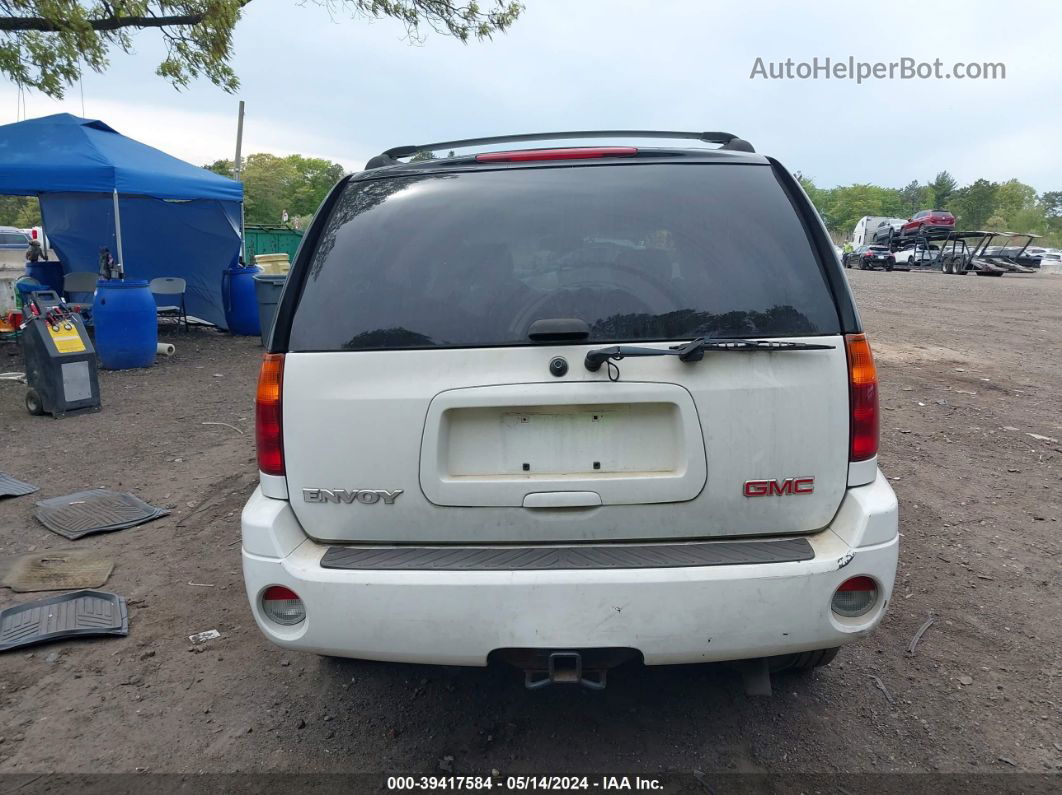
{"x":562,"y":499}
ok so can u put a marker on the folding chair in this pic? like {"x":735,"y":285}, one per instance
{"x":167,"y":286}
{"x":75,"y":286}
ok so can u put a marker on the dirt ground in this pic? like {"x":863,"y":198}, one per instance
{"x":970,"y":370}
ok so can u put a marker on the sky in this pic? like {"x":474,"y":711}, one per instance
{"x":346,"y":89}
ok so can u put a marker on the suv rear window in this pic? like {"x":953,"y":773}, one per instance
{"x":639,"y":252}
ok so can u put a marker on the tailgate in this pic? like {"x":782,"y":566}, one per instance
{"x":485,"y":449}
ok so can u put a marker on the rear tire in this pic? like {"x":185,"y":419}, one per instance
{"x":33,"y":403}
{"x":802,"y":662}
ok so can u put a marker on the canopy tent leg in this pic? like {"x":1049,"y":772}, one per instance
{"x":118,"y":235}
{"x":44,"y":236}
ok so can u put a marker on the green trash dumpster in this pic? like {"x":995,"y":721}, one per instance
{"x":270,"y":240}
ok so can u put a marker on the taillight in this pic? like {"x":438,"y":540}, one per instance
{"x":579,"y":153}
{"x":862,"y":397}
{"x":855,"y":597}
{"x":283,"y":606}
{"x":267,"y":415}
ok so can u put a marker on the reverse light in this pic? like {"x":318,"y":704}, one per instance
{"x":855,"y":597}
{"x":268,"y":413}
{"x":283,"y":606}
{"x":862,"y":398}
{"x":574,"y":153}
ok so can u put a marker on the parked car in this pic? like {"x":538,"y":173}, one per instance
{"x":871,"y":257}
{"x":1018,"y":253}
{"x":888,"y":230}
{"x":917,"y":254}
{"x":535,"y":430}
{"x":12,"y":239}
{"x":928,"y":221}
{"x":1052,"y":261}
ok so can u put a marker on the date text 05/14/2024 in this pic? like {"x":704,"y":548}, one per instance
{"x":525,"y":783}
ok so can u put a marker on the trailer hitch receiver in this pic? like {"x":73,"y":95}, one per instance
{"x":565,"y":667}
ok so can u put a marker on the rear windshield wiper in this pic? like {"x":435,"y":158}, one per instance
{"x":693,"y":351}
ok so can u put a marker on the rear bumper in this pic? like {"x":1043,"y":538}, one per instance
{"x":671,"y":615}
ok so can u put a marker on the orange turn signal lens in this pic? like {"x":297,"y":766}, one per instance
{"x":268,"y":414}
{"x":863,"y":398}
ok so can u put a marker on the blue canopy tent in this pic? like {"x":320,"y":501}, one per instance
{"x":158,"y":215}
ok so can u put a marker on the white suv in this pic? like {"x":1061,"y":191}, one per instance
{"x":565,"y":408}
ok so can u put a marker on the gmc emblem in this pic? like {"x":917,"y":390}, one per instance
{"x":770,"y":488}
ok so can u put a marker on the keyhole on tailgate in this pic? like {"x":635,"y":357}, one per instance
{"x":527,"y":467}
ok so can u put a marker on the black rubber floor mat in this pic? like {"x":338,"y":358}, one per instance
{"x":13,"y":487}
{"x":70,"y":615}
{"x":95,"y":511}
{"x":55,"y":570}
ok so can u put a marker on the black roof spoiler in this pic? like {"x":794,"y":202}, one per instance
{"x":727,"y":140}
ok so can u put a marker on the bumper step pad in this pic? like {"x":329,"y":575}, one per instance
{"x":94,"y":511}
{"x":70,"y":615}
{"x":603,"y":556}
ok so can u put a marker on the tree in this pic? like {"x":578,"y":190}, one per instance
{"x":915,"y":197}
{"x":1052,"y":203}
{"x":20,"y":211}
{"x":1013,"y":196}
{"x":975,"y":204}
{"x":1009,"y":206}
{"x":274,"y":184}
{"x":45,"y":44}
{"x":847,"y":204}
{"x":941,"y":189}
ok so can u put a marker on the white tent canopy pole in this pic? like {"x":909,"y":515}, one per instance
{"x":118,"y":233}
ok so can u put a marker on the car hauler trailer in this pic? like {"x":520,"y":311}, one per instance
{"x":990,"y":260}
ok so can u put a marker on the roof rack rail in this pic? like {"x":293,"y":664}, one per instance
{"x":728,"y":141}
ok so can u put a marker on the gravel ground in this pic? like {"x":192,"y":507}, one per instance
{"x":969,"y":369}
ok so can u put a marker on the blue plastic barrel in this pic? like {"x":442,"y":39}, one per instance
{"x":127,"y":331}
{"x":241,"y":301}
{"x":25,"y":285}
{"x":47,"y":273}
